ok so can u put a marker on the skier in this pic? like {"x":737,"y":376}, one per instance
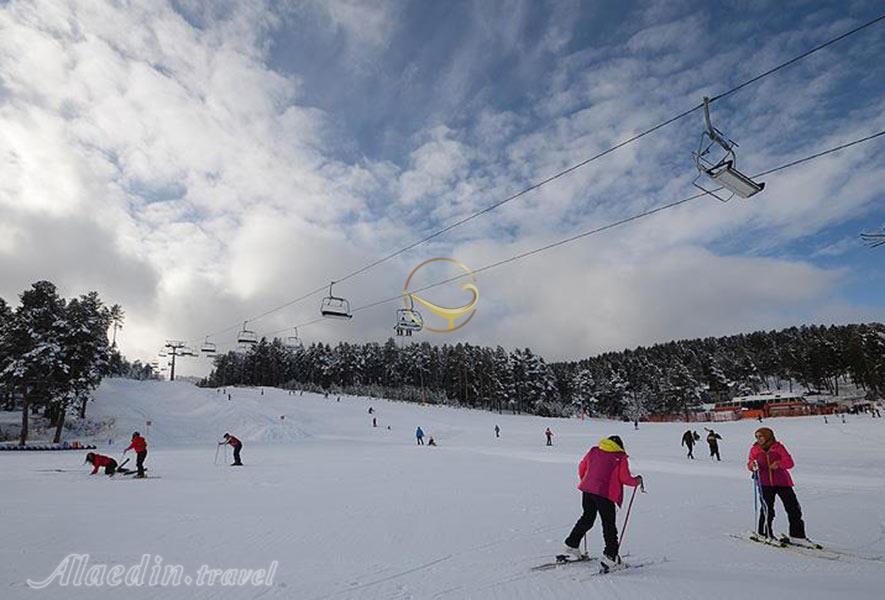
{"x":688,"y":440}
{"x":139,"y":446}
{"x":497,"y":431}
{"x":549,"y":435}
{"x":770,"y":462}
{"x":635,"y":425}
{"x":374,"y":422}
{"x":237,"y":446}
{"x":419,"y":435}
{"x":713,"y":440}
{"x":430,"y":441}
{"x":604,"y":471}
{"x":99,"y":460}
{"x":371,"y":410}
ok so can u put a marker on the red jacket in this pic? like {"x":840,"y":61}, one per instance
{"x":768,"y":475}
{"x":234,"y":441}
{"x":139,"y":444}
{"x":99,"y":460}
{"x":605,"y":470}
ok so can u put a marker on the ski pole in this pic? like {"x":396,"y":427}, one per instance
{"x":627,"y":518}
{"x":217,"y":448}
{"x":586,"y":552}
{"x":755,"y":502}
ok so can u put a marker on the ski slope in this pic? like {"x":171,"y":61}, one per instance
{"x":352,"y":511}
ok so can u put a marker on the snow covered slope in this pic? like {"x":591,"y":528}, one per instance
{"x":352,"y":511}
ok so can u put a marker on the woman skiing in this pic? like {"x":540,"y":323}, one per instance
{"x":604,"y":471}
{"x":770,"y":463}
{"x":236,"y":444}
{"x":100,"y":460}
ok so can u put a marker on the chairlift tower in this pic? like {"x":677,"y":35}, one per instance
{"x":176,"y":348}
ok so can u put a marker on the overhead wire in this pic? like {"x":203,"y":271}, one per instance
{"x":606,"y":227}
{"x":559,"y":174}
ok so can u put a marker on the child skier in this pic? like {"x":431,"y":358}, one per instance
{"x":237,"y":446}
{"x":549,"y":435}
{"x":770,"y":463}
{"x":139,"y":445}
{"x":604,"y":471}
{"x":419,"y":435}
{"x":99,"y":460}
{"x":688,"y":440}
{"x":497,"y":431}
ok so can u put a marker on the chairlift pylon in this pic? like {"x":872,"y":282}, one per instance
{"x":408,"y":320}
{"x":247,"y":336}
{"x":334,"y":307}
{"x":724,"y":170}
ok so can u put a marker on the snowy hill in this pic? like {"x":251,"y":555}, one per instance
{"x":352,"y":511}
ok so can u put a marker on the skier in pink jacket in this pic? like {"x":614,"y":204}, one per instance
{"x":603,"y":472}
{"x":770,"y":462}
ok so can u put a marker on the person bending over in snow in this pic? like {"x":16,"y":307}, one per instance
{"x":688,"y":440}
{"x":430,"y":441}
{"x":770,"y":462}
{"x":139,"y":445}
{"x":99,"y":460}
{"x":604,"y":471}
{"x":237,"y":446}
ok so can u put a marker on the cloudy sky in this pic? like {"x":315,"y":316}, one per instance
{"x":203,"y":163}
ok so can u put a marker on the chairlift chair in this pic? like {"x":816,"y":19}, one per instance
{"x":408,"y":320}
{"x":247,"y":337}
{"x":186,"y":351}
{"x":293,"y":341}
{"x":723,"y":171}
{"x":874,"y":240}
{"x":162,"y":354}
{"x":334,"y":307}
{"x":208,"y":348}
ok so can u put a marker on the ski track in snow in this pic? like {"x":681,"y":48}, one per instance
{"x":352,"y":511}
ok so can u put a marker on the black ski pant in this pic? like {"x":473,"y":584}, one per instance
{"x":237,"y":449}
{"x":111,"y":468}
{"x":549,"y":441}
{"x":714,"y":451}
{"x":593,"y":504}
{"x":791,"y":505}
{"x":690,"y":451}
{"x":420,"y":441}
{"x":139,"y":462}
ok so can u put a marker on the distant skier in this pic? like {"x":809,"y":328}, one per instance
{"x":549,"y":435}
{"x":688,"y":441}
{"x":100,"y":460}
{"x":635,"y":425}
{"x":139,"y":446}
{"x":604,"y":471}
{"x":371,"y":410}
{"x":419,"y":435}
{"x":236,"y":444}
{"x":713,"y":441}
{"x":770,"y":462}
{"x":497,"y":431}
{"x":374,"y":422}
{"x":430,"y":441}
{"x":825,"y":419}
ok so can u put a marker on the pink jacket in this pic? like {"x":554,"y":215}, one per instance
{"x":604,"y":471}
{"x":768,"y":475}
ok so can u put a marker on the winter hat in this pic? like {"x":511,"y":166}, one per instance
{"x":768,"y":434}
{"x":135,"y":435}
{"x":90,"y":456}
{"x":617,"y":439}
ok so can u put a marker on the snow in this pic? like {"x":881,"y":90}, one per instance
{"x":351,"y":511}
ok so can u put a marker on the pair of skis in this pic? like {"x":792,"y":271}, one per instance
{"x":809,"y":548}
{"x":566,"y":559}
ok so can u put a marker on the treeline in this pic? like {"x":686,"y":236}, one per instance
{"x":666,"y":378}
{"x":54,"y":353}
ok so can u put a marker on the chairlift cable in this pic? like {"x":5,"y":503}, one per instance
{"x":567,"y":171}
{"x":608,"y":226}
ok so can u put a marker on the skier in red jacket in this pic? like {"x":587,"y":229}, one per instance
{"x":603,"y":472}
{"x":99,"y":460}
{"x":139,"y":445}
{"x":237,"y":446}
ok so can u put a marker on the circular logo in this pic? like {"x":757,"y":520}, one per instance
{"x":450,"y":314}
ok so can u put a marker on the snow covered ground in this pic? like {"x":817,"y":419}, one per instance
{"x":351,"y":511}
